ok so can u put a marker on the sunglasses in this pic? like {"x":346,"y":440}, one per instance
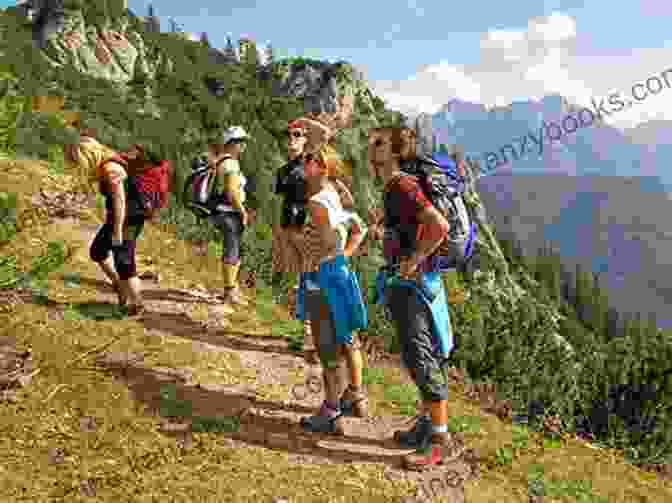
{"x":294,"y":134}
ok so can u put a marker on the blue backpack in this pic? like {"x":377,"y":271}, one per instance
{"x":460,"y":246}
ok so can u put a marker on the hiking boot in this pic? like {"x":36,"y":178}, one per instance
{"x":438,"y":449}
{"x":416,"y":436}
{"x":353,"y":403}
{"x":324,"y":422}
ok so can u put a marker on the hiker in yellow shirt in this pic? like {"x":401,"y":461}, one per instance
{"x":230,"y":215}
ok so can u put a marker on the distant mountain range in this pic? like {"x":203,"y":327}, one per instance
{"x":600,"y":194}
{"x":616,"y":226}
{"x":596,"y":150}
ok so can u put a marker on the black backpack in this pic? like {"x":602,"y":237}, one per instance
{"x":197,"y":193}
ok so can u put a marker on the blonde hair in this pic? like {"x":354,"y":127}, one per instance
{"x":331,"y":161}
{"x":87,"y":156}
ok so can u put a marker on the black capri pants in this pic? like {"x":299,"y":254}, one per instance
{"x":124,"y":256}
{"x":230,"y":225}
{"x":413,"y":321}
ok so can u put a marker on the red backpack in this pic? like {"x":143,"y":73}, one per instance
{"x":147,"y":188}
{"x":153,"y":184}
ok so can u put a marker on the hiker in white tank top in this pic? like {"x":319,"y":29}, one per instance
{"x":327,"y":243}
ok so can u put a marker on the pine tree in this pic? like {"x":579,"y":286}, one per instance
{"x":270,"y":56}
{"x":600,"y":309}
{"x":204,"y":39}
{"x":248,"y":53}
{"x":229,"y":50}
{"x":553,"y":272}
{"x":175,"y":27}
{"x":582,"y":293}
{"x":613,"y":324}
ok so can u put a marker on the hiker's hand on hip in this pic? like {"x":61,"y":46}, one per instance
{"x":244,"y":217}
{"x":408,"y":269}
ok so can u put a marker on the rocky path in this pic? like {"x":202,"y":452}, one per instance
{"x":266,"y":410}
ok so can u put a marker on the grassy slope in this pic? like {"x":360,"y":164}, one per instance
{"x":126,"y":455}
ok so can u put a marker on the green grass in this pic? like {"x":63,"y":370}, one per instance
{"x":580,"y":491}
{"x":130,"y":459}
{"x":402,"y":397}
{"x":464,"y":424}
{"x":373,"y":375}
{"x":172,"y":407}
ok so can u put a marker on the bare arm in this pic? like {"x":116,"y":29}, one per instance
{"x":119,"y":205}
{"x":230,"y":184}
{"x":116,"y":175}
{"x":347,"y":200}
{"x":356,"y":237}
{"x":437,"y":229}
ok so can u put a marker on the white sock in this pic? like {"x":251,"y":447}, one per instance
{"x":439,"y":428}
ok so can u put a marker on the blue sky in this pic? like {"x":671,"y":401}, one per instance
{"x":418,"y":54}
{"x":356,"y":30}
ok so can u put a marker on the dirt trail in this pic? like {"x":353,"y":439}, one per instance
{"x":263,"y":422}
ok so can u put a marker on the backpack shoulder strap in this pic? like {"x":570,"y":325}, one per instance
{"x":425,"y":159}
{"x":222,"y":159}
{"x":115,"y":158}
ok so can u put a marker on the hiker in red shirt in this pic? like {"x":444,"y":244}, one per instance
{"x":413,"y":293}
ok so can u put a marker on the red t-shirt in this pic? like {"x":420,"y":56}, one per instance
{"x":404,"y":200}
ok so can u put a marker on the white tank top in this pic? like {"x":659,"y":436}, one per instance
{"x":338,"y":217}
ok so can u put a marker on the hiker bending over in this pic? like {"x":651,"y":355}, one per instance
{"x":412,"y":292}
{"x":230,"y":215}
{"x":118,"y":235}
{"x":332,"y":299}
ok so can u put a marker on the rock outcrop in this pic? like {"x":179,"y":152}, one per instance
{"x":320,"y":84}
{"x":113,"y":50}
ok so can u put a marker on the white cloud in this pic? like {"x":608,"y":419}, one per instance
{"x":554,"y":28}
{"x":512,"y":63}
{"x":410,"y":104}
{"x":539,"y":60}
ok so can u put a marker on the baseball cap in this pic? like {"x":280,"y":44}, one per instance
{"x":234,"y":133}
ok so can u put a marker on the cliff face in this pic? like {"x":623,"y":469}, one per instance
{"x":320,"y":84}
{"x":115,"y":51}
